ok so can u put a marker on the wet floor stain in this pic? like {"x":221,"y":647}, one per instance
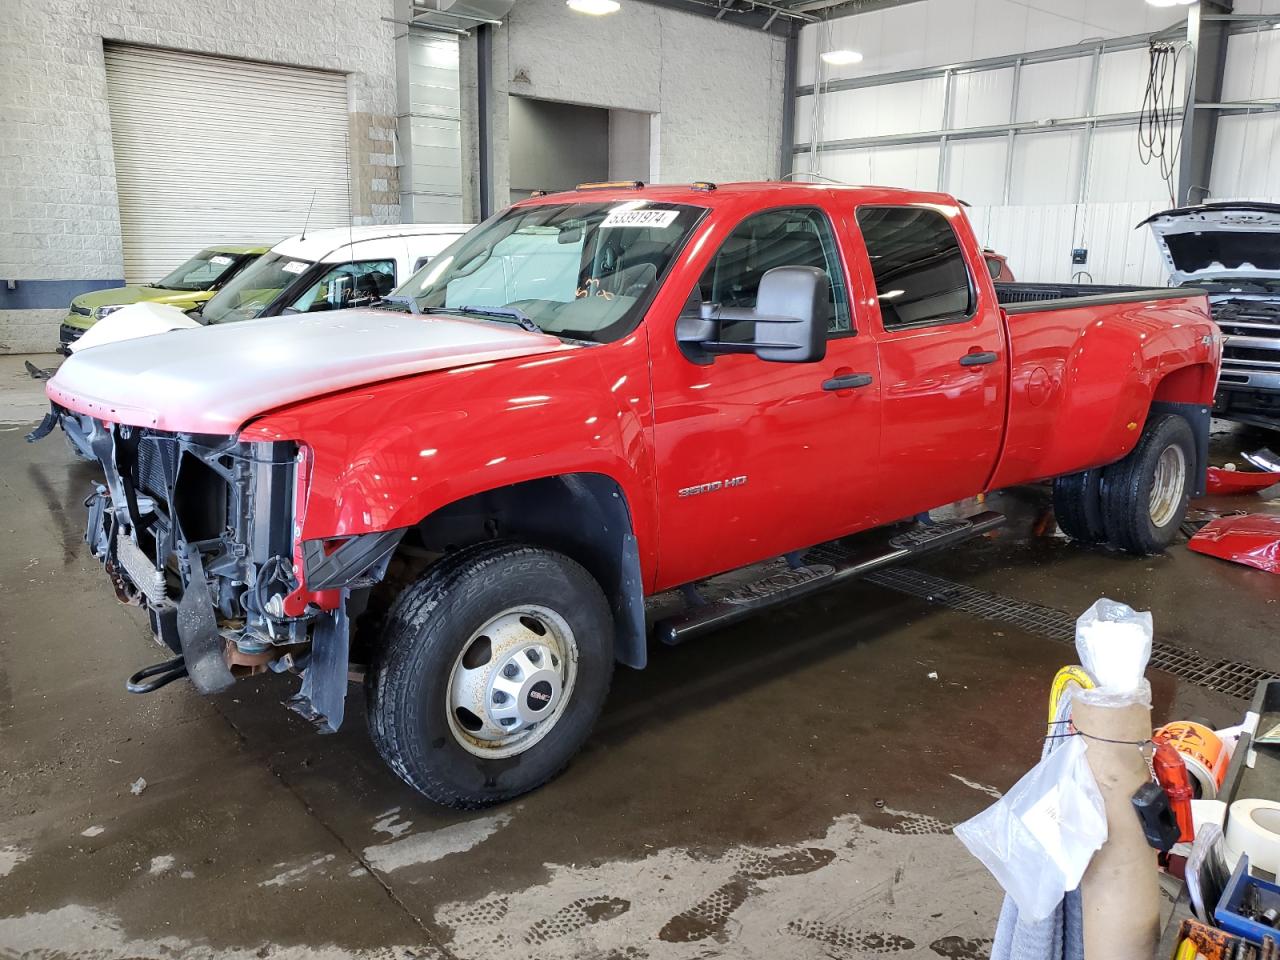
{"x":709,"y":916}
{"x":847,"y":943}
{"x":10,"y":857}
{"x":432,"y":845}
{"x":298,"y":873}
{"x":581,"y":913}
{"x":857,"y":891}
{"x":915,"y":824}
{"x":82,"y":933}
{"x":962,"y":948}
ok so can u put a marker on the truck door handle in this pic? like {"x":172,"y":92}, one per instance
{"x":848,"y":381}
{"x":978,"y":359}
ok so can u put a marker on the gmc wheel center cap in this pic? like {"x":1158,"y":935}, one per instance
{"x":538,"y":695}
{"x":524,"y":687}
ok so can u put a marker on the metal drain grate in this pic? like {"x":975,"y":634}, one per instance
{"x":1229,"y":677}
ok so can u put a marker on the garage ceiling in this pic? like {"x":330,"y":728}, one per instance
{"x":778,"y":15}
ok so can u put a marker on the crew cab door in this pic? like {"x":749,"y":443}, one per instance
{"x":943,"y":362}
{"x":758,"y":458}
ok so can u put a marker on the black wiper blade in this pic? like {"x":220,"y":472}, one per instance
{"x":512,"y":314}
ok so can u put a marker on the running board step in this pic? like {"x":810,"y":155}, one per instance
{"x":824,"y":566}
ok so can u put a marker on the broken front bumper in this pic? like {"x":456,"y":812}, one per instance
{"x":197,"y":530}
{"x":200,"y":530}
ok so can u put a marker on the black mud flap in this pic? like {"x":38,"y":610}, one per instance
{"x":323,"y":696}
{"x":198,"y":633}
{"x":1197,"y":416}
{"x":44,"y":428}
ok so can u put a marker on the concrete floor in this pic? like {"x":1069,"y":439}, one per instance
{"x":784,"y":788}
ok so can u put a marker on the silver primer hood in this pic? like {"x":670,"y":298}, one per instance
{"x":1219,"y":241}
{"x":214,"y":379}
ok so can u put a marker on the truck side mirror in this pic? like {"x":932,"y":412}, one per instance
{"x":790,"y":317}
{"x":792,"y":310}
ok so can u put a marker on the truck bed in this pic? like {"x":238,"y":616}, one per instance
{"x":1035,"y":297}
{"x":1058,"y":381}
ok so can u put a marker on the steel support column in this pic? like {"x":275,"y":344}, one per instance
{"x":948,"y":96}
{"x":1086,"y":161}
{"x":1009,"y":137}
{"x":484,"y":122}
{"x":786,"y":150}
{"x":1208,"y":38}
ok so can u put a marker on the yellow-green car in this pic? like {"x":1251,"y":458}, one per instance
{"x":186,"y":288}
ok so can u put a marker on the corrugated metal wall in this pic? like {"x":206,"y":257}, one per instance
{"x":1044,"y":191}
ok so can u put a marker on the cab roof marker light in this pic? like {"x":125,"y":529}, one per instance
{"x":612,"y":185}
{"x":702,"y":186}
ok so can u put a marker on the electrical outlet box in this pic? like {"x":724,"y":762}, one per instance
{"x":1079,"y":256}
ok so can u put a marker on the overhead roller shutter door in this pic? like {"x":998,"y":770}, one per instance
{"x":209,"y":149}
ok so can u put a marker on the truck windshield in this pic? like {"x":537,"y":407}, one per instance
{"x":579,"y":270}
{"x":200,"y":272}
{"x":254,"y":289}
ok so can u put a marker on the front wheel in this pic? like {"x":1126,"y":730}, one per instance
{"x":492,"y":669}
{"x":1145,"y":495}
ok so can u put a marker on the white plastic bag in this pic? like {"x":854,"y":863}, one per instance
{"x":1114,"y":643}
{"x":1039,"y":837}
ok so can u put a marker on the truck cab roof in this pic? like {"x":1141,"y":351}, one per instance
{"x":764,"y":192}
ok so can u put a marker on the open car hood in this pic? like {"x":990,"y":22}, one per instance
{"x":1219,"y":241}
{"x":214,"y":379}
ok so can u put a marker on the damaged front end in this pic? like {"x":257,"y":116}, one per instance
{"x":201,"y":530}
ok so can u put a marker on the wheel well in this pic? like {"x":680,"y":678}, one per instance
{"x":1189,"y":384}
{"x":582,"y":515}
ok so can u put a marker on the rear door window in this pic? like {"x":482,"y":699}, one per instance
{"x":921,"y":277}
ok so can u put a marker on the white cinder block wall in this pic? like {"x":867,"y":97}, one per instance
{"x":59,"y":219}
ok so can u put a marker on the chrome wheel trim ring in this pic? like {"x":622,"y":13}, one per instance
{"x":511,"y":681}
{"x":1168,"y":485}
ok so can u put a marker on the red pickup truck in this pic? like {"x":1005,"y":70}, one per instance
{"x":591,"y":398}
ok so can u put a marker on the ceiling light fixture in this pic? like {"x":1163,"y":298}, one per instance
{"x":596,"y":8}
{"x":842,"y":58}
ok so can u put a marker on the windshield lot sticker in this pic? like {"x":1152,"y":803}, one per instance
{"x":294,"y":266}
{"x":640,"y":218}
{"x":219,"y":259}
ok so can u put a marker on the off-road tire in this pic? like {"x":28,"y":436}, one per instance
{"x":1077,"y":506}
{"x":1127,"y":483}
{"x":407,"y":683}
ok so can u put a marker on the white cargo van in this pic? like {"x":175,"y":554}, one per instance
{"x":329,"y":270}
